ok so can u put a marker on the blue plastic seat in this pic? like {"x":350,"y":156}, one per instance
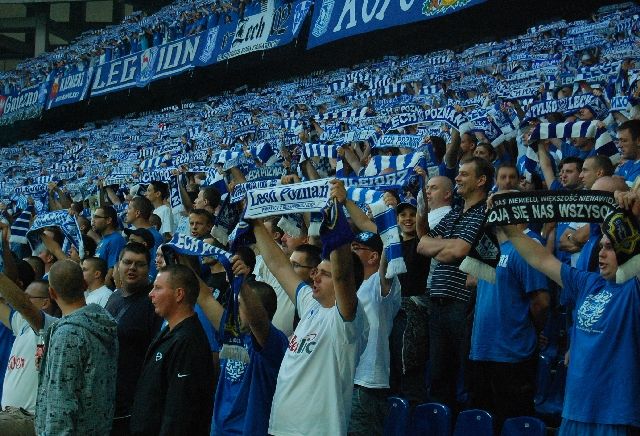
{"x":523,"y":426}
{"x":431,"y":419}
{"x":396,"y":422}
{"x":474,"y":422}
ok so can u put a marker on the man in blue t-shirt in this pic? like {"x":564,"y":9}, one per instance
{"x":603,"y":378}
{"x":629,"y":137}
{"x":105,"y":223}
{"x":508,"y":315}
{"x":246,"y":386}
{"x":570,"y":169}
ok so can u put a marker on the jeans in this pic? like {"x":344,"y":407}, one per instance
{"x":368,"y":410}
{"x":449,"y":342}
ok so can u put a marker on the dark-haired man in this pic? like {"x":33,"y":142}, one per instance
{"x":175,"y":392}
{"x":629,"y":137}
{"x":326,"y":344}
{"x":605,"y":339}
{"x":76,"y":391}
{"x":138,"y":324}
{"x":105,"y":223}
{"x":94,"y":271}
{"x":448,"y":243}
{"x":245,"y":389}
{"x":158,"y":193}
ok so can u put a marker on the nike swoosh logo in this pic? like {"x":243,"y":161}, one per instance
{"x":182,"y":375}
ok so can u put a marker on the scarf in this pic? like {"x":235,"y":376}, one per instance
{"x":387,"y":224}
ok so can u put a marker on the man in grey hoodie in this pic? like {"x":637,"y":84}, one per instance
{"x":76,"y":394}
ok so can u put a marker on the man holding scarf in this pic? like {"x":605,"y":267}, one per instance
{"x":603,"y":378}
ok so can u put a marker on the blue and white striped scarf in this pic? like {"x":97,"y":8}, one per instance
{"x":387,"y":224}
{"x":578,"y":129}
{"x":59,"y":218}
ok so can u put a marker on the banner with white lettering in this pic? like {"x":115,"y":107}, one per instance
{"x":70,"y":87}
{"x":334,"y":20}
{"x":278,"y":23}
{"x":23,"y":105}
{"x":311,"y":196}
{"x":549,"y":206}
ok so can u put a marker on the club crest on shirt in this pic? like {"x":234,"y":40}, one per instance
{"x":591,"y":310}
{"x":234,"y":370}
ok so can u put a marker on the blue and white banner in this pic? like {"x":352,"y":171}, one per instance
{"x":310,"y":196}
{"x":406,"y":141}
{"x":71,"y":87}
{"x":278,"y":23}
{"x":141,"y":68}
{"x":23,"y":105}
{"x":334,"y":20}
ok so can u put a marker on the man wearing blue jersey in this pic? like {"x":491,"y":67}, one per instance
{"x":603,"y":378}
{"x":508,"y":315}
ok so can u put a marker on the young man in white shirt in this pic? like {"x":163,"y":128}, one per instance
{"x":319,"y":367}
{"x":94,"y":271}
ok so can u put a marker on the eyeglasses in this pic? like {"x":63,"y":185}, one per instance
{"x":98,"y":216}
{"x":129,"y":263}
{"x":297,"y":265}
{"x":39,"y":298}
{"x":355,"y":247}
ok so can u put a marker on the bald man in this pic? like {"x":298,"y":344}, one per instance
{"x":76,"y":394}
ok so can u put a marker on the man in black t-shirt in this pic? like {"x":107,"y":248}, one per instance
{"x":138,"y":324}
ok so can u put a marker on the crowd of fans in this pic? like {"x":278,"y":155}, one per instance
{"x":132,"y":251}
{"x":137,"y":32}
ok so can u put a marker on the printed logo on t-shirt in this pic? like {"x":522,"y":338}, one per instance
{"x":592,"y":309}
{"x":16,"y":362}
{"x":234,"y":370}
{"x":306,"y":344}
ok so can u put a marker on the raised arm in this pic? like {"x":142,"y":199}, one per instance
{"x":276,"y":260}
{"x":358,"y":217}
{"x":545,"y":164}
{"x":257,"y":316}
{"x":344,"y":281}
{"x":534,"y":254}
{"x":16,"y":298}
{"x":453,"y":148}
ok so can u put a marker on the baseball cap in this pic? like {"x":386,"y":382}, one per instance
{"x":370,"y":240}
{"x":407,"y":202}
{"x":144,"y":234}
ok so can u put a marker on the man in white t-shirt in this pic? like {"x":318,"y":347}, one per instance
{"x":27,"y":317}
{"x":157,"y":193}
{"x":94,"y":271}
{"x":380,"y":299}
{"x":319,"y":365}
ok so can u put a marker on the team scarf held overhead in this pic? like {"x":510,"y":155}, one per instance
{"x":232,"y":347}
{"x":61,"y":219}
{"x":387,"y":223}
{"x":604,"y":144}
{"x":532,"y":207}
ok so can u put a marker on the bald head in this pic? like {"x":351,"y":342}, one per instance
{"x":610,"y":183}
{"x":439,"y":191}
{"x":65,"y":278}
